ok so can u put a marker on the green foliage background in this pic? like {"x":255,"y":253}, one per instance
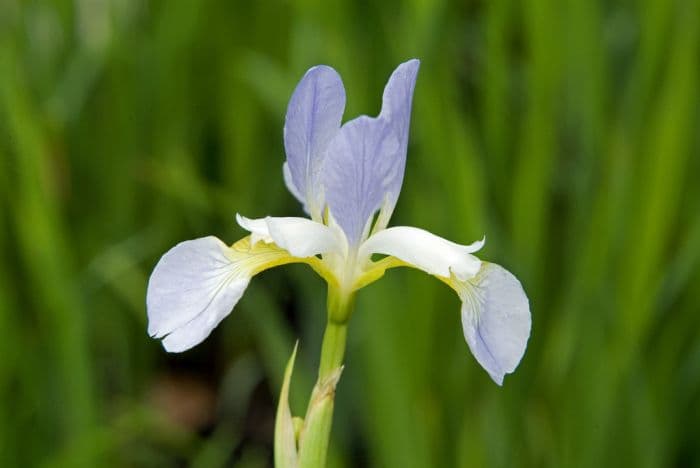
{"x":566,"y":131}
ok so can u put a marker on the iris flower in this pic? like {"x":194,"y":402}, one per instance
{"x":348,"y":178}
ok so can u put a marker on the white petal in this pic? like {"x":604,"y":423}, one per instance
{"x":496,"y":320}
{"x":425,"y":251}
{"x":195,"y":331}
{"x":192,"y":288}
{"x":257,"y":228}
{"x":301,"y":237}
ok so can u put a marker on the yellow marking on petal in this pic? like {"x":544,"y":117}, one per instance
{"x":452,"y":282}
{"x":464,"y":288}
{"x":256,"y":258}
{"x":377,"y":269}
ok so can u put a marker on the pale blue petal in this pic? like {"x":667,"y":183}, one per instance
{"x":313,"y":118}
{"x":360,"y":168}
{"x":192,"y":288}
{"x":287,"y":175}
{"x":396,"y":109}
{"x":496,"y":320}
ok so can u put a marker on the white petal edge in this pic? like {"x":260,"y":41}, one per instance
{"x":496,"y":320}
{"x":193,"y":287}
{"x":301,"y":237}
{"x":257,"y":227}
{"x":425,"y":251}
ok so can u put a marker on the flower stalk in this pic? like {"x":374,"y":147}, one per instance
{"x":319,"y":416}
{"x":333,"y":348}
{"x":304,"y":442}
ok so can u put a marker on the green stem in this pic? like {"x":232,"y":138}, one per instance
{"x":313,"y":444}
{"x":334,"y":338}
{"x":333,"y":349}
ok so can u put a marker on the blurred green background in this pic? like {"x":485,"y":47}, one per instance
{"x":566,"y":131}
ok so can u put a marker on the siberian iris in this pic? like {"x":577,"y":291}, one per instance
{"x":348,"y":178}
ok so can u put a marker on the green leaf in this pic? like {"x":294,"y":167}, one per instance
{"x":285,"y":440}
{"x":313,"y":441}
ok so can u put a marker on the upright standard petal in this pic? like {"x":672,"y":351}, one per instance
{"x":496,"y":320}
{"x":425,"y":251}
{"x":396,"y":110}
{"x":361,"y":165}
{"x":313,"y":118}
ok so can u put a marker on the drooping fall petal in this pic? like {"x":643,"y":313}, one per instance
{"x":496,"y":320}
